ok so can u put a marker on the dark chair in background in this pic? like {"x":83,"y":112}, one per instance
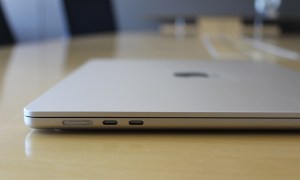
{"x":6,"y":36}
{"x":89,"y":16}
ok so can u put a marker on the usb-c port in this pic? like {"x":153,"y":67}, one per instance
{"x":136,"y":122}
{"x":110,"y":122}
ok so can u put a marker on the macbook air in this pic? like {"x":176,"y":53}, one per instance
{"x":170,"y":94}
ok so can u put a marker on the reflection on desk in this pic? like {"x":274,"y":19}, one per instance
{"x":165,"y":154}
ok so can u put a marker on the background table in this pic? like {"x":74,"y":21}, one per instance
{"x":27,"y":70}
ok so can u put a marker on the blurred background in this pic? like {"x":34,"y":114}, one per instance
{"x":36,"y":20}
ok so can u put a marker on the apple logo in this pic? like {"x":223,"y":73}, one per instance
{"x":191,"y":74}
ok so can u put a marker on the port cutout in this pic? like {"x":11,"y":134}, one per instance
{"x":77,"y":122}
{"x":110,"y":122}
{"x":136,"y":122}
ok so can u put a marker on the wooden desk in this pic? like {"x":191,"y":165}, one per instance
{"x":27,"y":70}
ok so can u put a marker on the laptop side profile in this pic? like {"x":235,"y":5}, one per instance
{"x":142,"y":94}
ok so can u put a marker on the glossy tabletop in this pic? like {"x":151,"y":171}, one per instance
{"x":28,"y":70}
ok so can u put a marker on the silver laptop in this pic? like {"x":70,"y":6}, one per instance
{"x":141,"y":94}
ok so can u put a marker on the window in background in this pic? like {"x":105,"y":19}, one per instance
{"x":33,"y":20}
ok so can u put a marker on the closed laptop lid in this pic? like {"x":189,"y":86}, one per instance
{"x":168,"y":88}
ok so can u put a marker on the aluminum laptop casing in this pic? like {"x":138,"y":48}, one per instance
{"x":170,"y":94}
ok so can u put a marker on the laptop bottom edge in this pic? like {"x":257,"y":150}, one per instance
{"x":161,"y":123}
